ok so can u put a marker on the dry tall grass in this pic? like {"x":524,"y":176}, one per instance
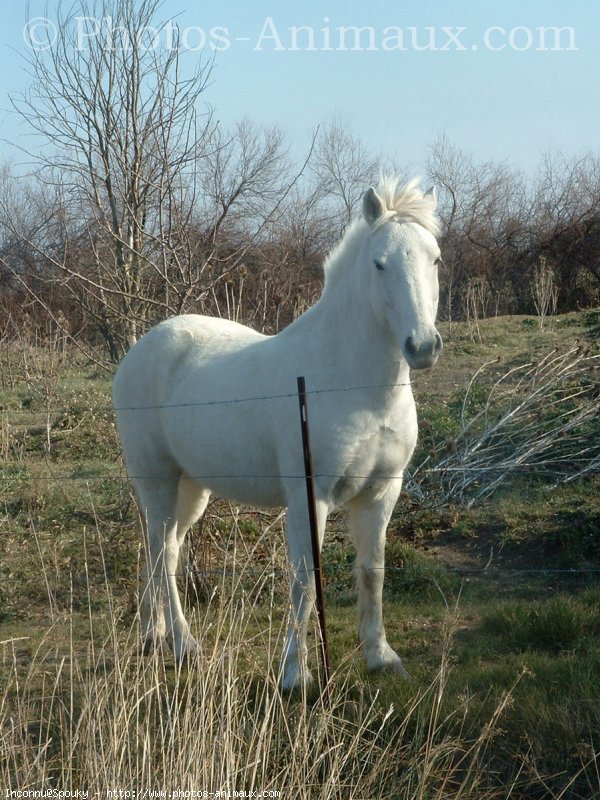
{"x":101,"y":717}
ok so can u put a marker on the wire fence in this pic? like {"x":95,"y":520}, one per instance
{"x":487,"y":448}
{"x":292,"y":394}
{"x":540,"y":419}
{"x":335,"y":570}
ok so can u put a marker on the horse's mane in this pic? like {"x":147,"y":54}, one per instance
{"x":406,"y":202}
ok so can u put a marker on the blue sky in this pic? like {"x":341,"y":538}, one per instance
{"x":483,"y":74}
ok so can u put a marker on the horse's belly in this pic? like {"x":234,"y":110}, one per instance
{"x":264,"y":492}
{"x":230,"y":449}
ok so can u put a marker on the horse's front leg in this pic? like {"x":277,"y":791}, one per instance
{"x":295,"y":672}
{"x":369,"y":518}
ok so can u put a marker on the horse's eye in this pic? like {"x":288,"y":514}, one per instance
{"x":379,"y":266}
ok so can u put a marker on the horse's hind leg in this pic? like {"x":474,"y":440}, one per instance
{"x":152,"y":615}
{"x":192,"y":500}
{"x":191,"y":504}
{"x":163,"y":615}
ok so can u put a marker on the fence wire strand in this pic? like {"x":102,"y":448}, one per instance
{"x":489,"y":461}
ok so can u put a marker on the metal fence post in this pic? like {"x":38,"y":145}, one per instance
{"x":314,"y":530}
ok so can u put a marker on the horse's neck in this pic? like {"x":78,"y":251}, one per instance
{"x":343,"y":328}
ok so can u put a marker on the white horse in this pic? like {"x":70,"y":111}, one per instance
{"x":206,"y":406}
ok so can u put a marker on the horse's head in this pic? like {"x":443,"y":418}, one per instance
{"x":403,"y":257}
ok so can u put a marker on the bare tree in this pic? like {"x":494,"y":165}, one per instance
{"x":155,"y":204}
{"x":484,"y":211}
{"x":123,"y":130}
{"x":244,"y":180}
{"x":566,"y":229}
{"x":342,"y":168}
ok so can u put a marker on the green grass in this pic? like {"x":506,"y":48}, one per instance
{"x":554,"y":625}
{"x":505,"y":657}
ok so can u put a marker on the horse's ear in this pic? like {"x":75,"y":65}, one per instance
{"x":373,"y":206}
{"x":432,"y":192}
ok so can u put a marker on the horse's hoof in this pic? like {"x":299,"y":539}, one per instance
{"x":389,"y":662}
{"x":396,"y":669}
{"x":294,"y":682}
{"x":186,"y":651}
{"x":151,"y":645}
{"x":187,"y":659}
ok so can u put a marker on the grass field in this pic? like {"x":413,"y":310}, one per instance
{"x":492,"y":599}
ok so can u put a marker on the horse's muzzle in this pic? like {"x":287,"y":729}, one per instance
{"x":421,"y":355}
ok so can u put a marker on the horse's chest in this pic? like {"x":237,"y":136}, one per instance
{"x":379,"y":455}
{"x":386,"y":450}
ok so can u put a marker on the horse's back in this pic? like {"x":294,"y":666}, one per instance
{"x":204,"y":336}
{"x":172,"y":348}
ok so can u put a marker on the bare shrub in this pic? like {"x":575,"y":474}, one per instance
{"x":539,"y":418}
{"x":476,"y":305}
{"x":544,"y":291}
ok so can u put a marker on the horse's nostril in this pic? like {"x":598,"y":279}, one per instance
{"x":439,"y":344}
{"x":411,"y":347}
